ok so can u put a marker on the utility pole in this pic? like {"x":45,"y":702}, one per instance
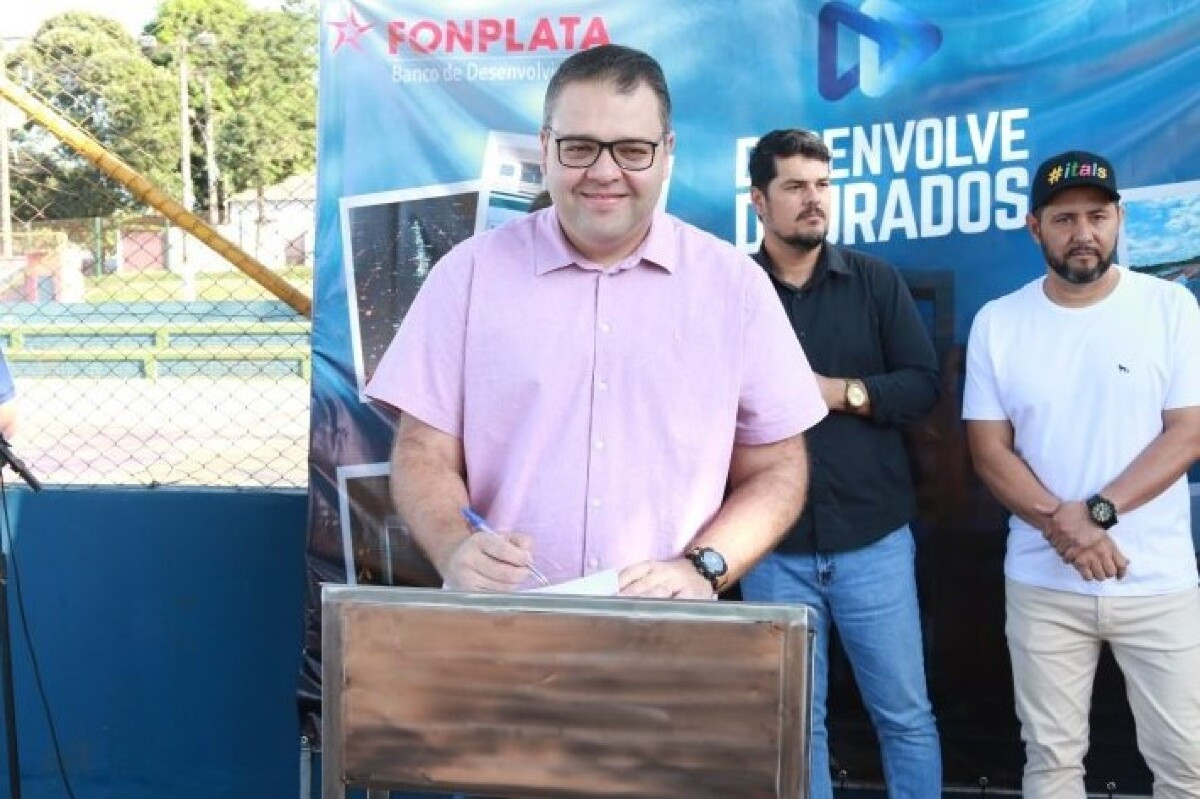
{"x":206,"y":40}
{"x":210,"y":154}
{"x":185,"y":128}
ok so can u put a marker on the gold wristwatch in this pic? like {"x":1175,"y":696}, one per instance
{"x":856,"y":394}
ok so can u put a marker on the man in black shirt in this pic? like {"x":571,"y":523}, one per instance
{"x":850,"y":555}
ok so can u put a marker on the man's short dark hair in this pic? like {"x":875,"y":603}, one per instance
{"x":783,"y":144}
{"x":623,"y":67}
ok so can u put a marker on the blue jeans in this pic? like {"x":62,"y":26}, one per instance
{"x":871,"y":595}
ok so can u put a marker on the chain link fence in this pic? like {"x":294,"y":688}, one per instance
{"x":142,"y":356}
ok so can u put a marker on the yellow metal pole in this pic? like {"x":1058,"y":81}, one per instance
{"x":150,"y":194}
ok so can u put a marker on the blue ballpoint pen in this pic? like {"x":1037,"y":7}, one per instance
{"x":480,"y":525}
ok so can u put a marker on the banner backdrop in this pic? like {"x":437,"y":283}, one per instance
{"x":937,"y":112}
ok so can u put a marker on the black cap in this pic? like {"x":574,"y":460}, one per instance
{"x":1069,"y":170}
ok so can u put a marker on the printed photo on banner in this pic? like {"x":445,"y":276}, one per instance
{"x":1162,"y":232}
{"x":390,"y":241}
{"x":376,"y":549}
{"x":512,"y":176}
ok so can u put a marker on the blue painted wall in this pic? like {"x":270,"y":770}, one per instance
{"x":167,"y":627}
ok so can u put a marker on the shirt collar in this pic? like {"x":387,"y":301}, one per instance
{"x":830,"y":260}
{"x":554,"y":251}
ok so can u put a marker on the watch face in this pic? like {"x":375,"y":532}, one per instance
{"x":856,"y":396}
{"x":1102,"y":511}
{"x":712,"y":562}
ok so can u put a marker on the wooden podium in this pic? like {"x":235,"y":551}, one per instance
{"x":531,"y":695}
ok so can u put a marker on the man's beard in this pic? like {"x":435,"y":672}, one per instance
{"x":806,"y":242}
{"x":1080,"y":277}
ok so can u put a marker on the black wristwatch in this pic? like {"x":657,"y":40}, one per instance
{"x":710,"y":564}
{"x":1101,"y":510}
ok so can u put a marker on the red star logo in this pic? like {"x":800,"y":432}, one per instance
{"x":349,"y":31}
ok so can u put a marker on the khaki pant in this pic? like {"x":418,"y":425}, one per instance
{"x":1054,"y":640}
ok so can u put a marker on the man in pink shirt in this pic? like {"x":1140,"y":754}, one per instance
{"x":610,"y":387}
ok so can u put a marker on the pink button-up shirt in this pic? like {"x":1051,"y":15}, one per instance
{"x":598,"y":408}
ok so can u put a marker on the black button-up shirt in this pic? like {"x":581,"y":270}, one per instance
{"x":856,"y":319}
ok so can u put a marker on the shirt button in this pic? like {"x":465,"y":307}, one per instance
{"x":595,"y":502}
{"x":593,"y":563}
{"x":602,"y":385}
{"x":604,"y":328}
{"x":599,"y":444}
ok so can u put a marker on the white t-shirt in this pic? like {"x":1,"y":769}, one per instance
{"x":1084,"y":389}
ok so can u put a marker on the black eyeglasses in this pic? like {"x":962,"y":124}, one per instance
{"x":580,"y":152}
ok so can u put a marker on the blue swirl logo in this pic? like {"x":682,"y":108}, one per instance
{"x":892,"y":43}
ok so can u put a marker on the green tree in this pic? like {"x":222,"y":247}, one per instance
{"x":261,"y":73}
{"x":253,"y":88}
{"x":91,"y":71}
{"x":271,"y":132}
{"x":177,"y":19}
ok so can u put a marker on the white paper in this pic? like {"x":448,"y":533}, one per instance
{"x":599,"y":584}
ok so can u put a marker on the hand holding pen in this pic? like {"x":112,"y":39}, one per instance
{"x":480,"y":525}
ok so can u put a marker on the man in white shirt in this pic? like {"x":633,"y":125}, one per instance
{"x":1083,"y":415}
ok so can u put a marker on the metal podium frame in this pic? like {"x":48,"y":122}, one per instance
{"x":533,"y":695}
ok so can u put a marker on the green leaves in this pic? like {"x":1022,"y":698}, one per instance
{"x":92,"y":72}
{"x":258,"y":77}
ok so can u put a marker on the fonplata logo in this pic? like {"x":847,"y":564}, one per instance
{"x":892,"y":42}
{"x":349,"y":31}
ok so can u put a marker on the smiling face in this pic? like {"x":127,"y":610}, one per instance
{"x":1077,"y":231}
{"x":605,"y":211}
{"x":794,"y":208}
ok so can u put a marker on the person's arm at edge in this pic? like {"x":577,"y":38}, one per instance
{"x":8,"y":418}
{"x":8,"y":400}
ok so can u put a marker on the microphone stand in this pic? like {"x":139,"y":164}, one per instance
{"x":18,"y":465}
{"x":6,"y":666}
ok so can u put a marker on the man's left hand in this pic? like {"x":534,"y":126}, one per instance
{"x":664,"y":579}
{"x":1071,"y":528}
{"x":1101,"y":561}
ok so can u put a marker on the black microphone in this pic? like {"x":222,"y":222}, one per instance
{"x":18,"y":466}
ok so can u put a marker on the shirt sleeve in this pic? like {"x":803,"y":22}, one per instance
{"x":909,"y":387}
{"x":981,"y":397}
{"x":421,"y":373}
{"x":8,"y":390}
{"x":1184,"y":391}
{"x":780,"y":397}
